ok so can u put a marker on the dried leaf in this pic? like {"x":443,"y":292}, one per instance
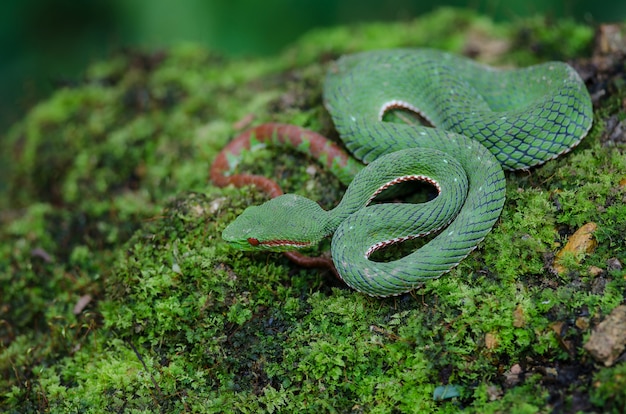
{"x":580,"y":243}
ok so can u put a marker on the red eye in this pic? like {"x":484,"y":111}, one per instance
{"x":253,"y":241}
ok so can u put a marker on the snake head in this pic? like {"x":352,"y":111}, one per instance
{"x":284,"y":223}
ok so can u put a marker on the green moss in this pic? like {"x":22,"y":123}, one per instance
{"x":107,"y":198}
{"x":546,"y":39}
{"x":608,"y":388}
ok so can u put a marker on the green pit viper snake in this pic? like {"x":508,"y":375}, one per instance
{"x":484,"y":119}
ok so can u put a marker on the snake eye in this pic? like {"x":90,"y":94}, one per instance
{"x":253,"y":241}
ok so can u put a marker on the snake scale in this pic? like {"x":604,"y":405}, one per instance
{"x":483,"y":120}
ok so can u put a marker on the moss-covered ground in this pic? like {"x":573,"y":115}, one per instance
{"x":117,"y":293}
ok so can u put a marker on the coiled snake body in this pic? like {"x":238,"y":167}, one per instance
{"x":484,"y":120}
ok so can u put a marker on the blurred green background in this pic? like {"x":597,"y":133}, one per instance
{"x":46,"y":43}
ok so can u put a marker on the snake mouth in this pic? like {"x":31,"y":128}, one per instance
{"x":279,"y":243}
